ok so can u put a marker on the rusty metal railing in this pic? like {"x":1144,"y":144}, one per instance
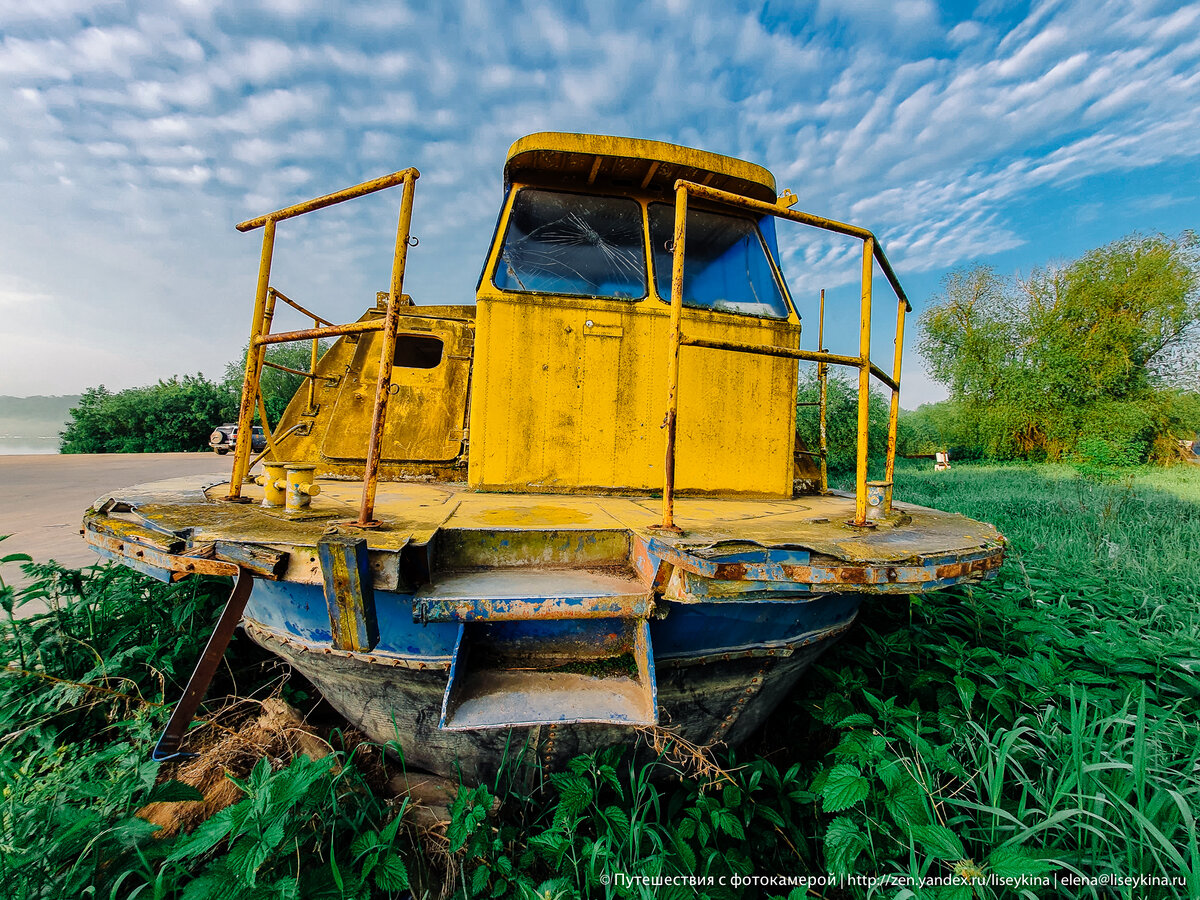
{"x":261,"y":336}
{"x":871,"y":254}
{"x":822,"y":452}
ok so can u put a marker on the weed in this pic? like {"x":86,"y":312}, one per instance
{"x":994,"y":738}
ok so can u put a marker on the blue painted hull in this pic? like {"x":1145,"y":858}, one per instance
{"x":721,"y":668}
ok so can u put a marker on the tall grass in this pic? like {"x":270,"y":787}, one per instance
{"x":1034,"y":736}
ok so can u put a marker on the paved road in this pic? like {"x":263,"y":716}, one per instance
{"x":42,"y":498}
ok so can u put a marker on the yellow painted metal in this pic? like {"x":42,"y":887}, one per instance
{"x":273,"y":481}
{"x":316,"y":347}
{"x":301,"y":486}
{"x":426,"y":426}
{"x":883,"y":376}
{"x":358,"y":190}
{"x":555,"y":153}
{"x":567,"y":394}
{"x":260,"y":335}
{"x":678,"y":248}
{"x":864,"y":382}
{"x":558,"y":404}
{"x":387,"y":353}
{"x":772,"y":209}
{"x":894,"y":413}
{"x":287,"y":337}
{"x":254,"y":356}
{"x":317,"y":320}
{"x":769,"y":350}
{"x":266,"y":427}
{"x":314,"y":353}
{"x":823,"y":400}
{"x":872,"y":253}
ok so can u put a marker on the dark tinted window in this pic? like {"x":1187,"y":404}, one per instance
{"x":725,"y":265}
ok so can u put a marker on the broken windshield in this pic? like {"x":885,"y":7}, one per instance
{"x":560,"y":243}
{"x":726,"y":266}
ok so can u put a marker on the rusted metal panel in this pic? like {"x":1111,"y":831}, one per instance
{"x":384,"y":696}
{"x":508,"y":609}
{"x":153,"y":561}
{"x":599,"y":671}
{"x":524,"y":593}
{"x":697,"y":580}
{"x":349,"y":593}
{"x":505,"y":546}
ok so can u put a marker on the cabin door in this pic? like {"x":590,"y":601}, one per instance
{"x":426,"y":416}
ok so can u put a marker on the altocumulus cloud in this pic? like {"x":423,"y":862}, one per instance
{"x":136,"y":133}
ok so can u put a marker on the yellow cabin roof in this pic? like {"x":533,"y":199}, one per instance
{"x":648,"y":165}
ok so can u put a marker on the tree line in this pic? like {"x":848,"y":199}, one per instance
{"x":1095,"y":357}
{"x":179,"y":413}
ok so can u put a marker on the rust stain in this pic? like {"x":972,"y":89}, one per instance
{"x":543,"y":514}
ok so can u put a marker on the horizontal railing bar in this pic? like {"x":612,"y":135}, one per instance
{"x":296,"y":306}
{"x":367,"y":187}
{"x":795,"y":215}
{"x":884,"y":377}
{"x":302,"y":374}
{"x":771,"y":350}
{"x":308,"y":334}
{"x":787,"y":353}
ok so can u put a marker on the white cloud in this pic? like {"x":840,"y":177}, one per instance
{"x":181,"y":118}
{"x":964,"y":33}
{"x":34,"y":59}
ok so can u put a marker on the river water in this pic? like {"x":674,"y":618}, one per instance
{"x":20,"y":446}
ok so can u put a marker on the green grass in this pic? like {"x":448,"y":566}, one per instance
{"x":1044,"y":725}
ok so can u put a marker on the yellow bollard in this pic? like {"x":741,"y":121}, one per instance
{"x":273,"y":484}
{"x":879,"y":500}
{"x":300,"y":486}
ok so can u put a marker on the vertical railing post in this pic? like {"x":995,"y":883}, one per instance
{"x":894,"y":415}
{"x":312,"y":371}
{"x":822,"y":387}
{"x":386,"y":354}
{"x":254,"y":358}
{"x":677,"y":253}
{"x":864,"y":384}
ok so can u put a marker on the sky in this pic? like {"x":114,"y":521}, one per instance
{"x":135,"y":134}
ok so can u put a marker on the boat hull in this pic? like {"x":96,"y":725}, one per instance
{"x":721,"y":670}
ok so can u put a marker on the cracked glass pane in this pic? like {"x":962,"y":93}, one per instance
{"x":560,"y":243}
{"x":725,"y":263}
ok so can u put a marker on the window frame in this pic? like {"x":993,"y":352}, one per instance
{"x":773,"y":263}
{"x":647,"y":270}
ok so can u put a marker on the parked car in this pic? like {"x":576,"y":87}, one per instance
{"x":224,"y":439}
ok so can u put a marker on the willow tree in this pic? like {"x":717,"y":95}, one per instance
{"x":1105,"y":347}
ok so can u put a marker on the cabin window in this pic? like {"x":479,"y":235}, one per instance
{"x":560,"y":243}
{"x":726,"y":265}
{"x":414,"y":351}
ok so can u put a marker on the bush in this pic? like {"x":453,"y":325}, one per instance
{"x":1097,"y":348}
{"x":172,"y":416}
{"x":841,"y":419}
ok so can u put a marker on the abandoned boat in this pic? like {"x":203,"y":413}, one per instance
{"x":576,"y":507}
